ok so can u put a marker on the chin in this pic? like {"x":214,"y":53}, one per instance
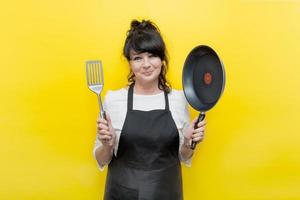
{"x":149,"y":79}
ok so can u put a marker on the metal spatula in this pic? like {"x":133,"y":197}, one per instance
{"x":95,"y":81}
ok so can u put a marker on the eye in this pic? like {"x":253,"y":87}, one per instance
{"x":137,"y":58}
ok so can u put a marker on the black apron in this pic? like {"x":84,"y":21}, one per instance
{"x":147,"y":165}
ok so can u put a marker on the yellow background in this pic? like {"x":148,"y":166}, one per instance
{"x":47,"y":114}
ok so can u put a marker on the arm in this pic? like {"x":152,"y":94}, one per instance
{"x":191,"y":134}
{"x":106,"y":138}
{"x":103,"y":155}
{"x":185,"y":151}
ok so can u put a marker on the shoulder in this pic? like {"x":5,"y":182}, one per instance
{"x":178,"y":102}
{"x":114,"y":99}
{"x":179,"y":108}
{"x":115,"y":102}
{"x":177,"y":96}
{"x":115,"y":95}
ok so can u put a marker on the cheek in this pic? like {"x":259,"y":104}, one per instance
{"x":159,"y":67}
{"x":157,"y":64}
{"x":134,"y":68}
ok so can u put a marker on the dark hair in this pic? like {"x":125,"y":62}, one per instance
{"x":143,"y":37}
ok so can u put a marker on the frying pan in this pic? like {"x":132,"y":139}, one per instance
{"x":203,"y":80}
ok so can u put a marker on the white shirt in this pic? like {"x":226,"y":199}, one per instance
{"x":115,"y":104}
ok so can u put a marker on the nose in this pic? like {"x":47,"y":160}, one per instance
{"x":146,"y":62}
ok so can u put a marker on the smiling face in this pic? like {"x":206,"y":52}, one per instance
{"x":145,"y":66}
{"x":146,"y":53}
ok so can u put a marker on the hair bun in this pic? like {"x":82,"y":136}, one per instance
{"x":143,"y":25}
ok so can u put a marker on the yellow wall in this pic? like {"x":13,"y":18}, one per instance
{"x":47,"y":114}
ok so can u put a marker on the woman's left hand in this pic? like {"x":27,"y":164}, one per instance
{"x":192,"y":134}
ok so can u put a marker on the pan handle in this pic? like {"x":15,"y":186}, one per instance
{"x":200,"y":118}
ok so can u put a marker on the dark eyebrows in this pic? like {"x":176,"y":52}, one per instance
{"x":134,"y":54}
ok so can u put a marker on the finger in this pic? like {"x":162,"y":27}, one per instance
{"x":104,"y":132}
{"x":102,"y":127}
{"x":101,"y":120}
{"x":98,"y":120}
{"x":195,"y":121}
{"x":200,"y":134}
{"x":104,"y":137}
{"x":110,"y":127}
{"x":197,"y":130}
{"x":198,"y":139}
{"x":202,"y":123}
{"x":108,"y":120}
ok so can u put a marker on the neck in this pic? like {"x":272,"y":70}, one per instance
{"x":146,"y":88}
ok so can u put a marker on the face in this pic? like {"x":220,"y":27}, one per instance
{"x":145,"y":66}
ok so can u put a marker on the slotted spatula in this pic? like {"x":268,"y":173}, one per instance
{"x":95,"y":81}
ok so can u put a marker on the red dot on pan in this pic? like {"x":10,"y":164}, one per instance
{"x":207,"y":78}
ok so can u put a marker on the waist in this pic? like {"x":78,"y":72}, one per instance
{"x":147,"y":162}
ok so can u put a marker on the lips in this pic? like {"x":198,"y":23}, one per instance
{"x":148,"y":73}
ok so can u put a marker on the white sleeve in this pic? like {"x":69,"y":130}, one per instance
{"x":97,"y":141}
{"x":185,"y":122}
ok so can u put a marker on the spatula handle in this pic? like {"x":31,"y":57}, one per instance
{"x":200,"y":118}
{"x":103,"y":114}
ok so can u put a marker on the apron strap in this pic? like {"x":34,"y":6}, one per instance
{"x":130,"y":98}
{"x":167,"y":101}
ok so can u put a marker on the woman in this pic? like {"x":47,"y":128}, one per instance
{"x":147,"y":131}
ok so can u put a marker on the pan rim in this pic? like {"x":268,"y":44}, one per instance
{"x":211,"y":50}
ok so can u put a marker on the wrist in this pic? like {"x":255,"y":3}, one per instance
{"x":108,"y":148}
{"x":187,"y":143}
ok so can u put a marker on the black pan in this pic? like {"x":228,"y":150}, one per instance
{"x":203,"y":80}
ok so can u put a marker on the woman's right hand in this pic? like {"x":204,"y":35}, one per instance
{"x":105,"y":132}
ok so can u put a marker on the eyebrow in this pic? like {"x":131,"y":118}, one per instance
{"x":134,"y":54}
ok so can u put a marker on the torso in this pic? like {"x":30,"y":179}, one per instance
{"x":147,"y":165}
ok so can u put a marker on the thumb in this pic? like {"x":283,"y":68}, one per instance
{"x":195,"y":121}
{"x":108,"y":119}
